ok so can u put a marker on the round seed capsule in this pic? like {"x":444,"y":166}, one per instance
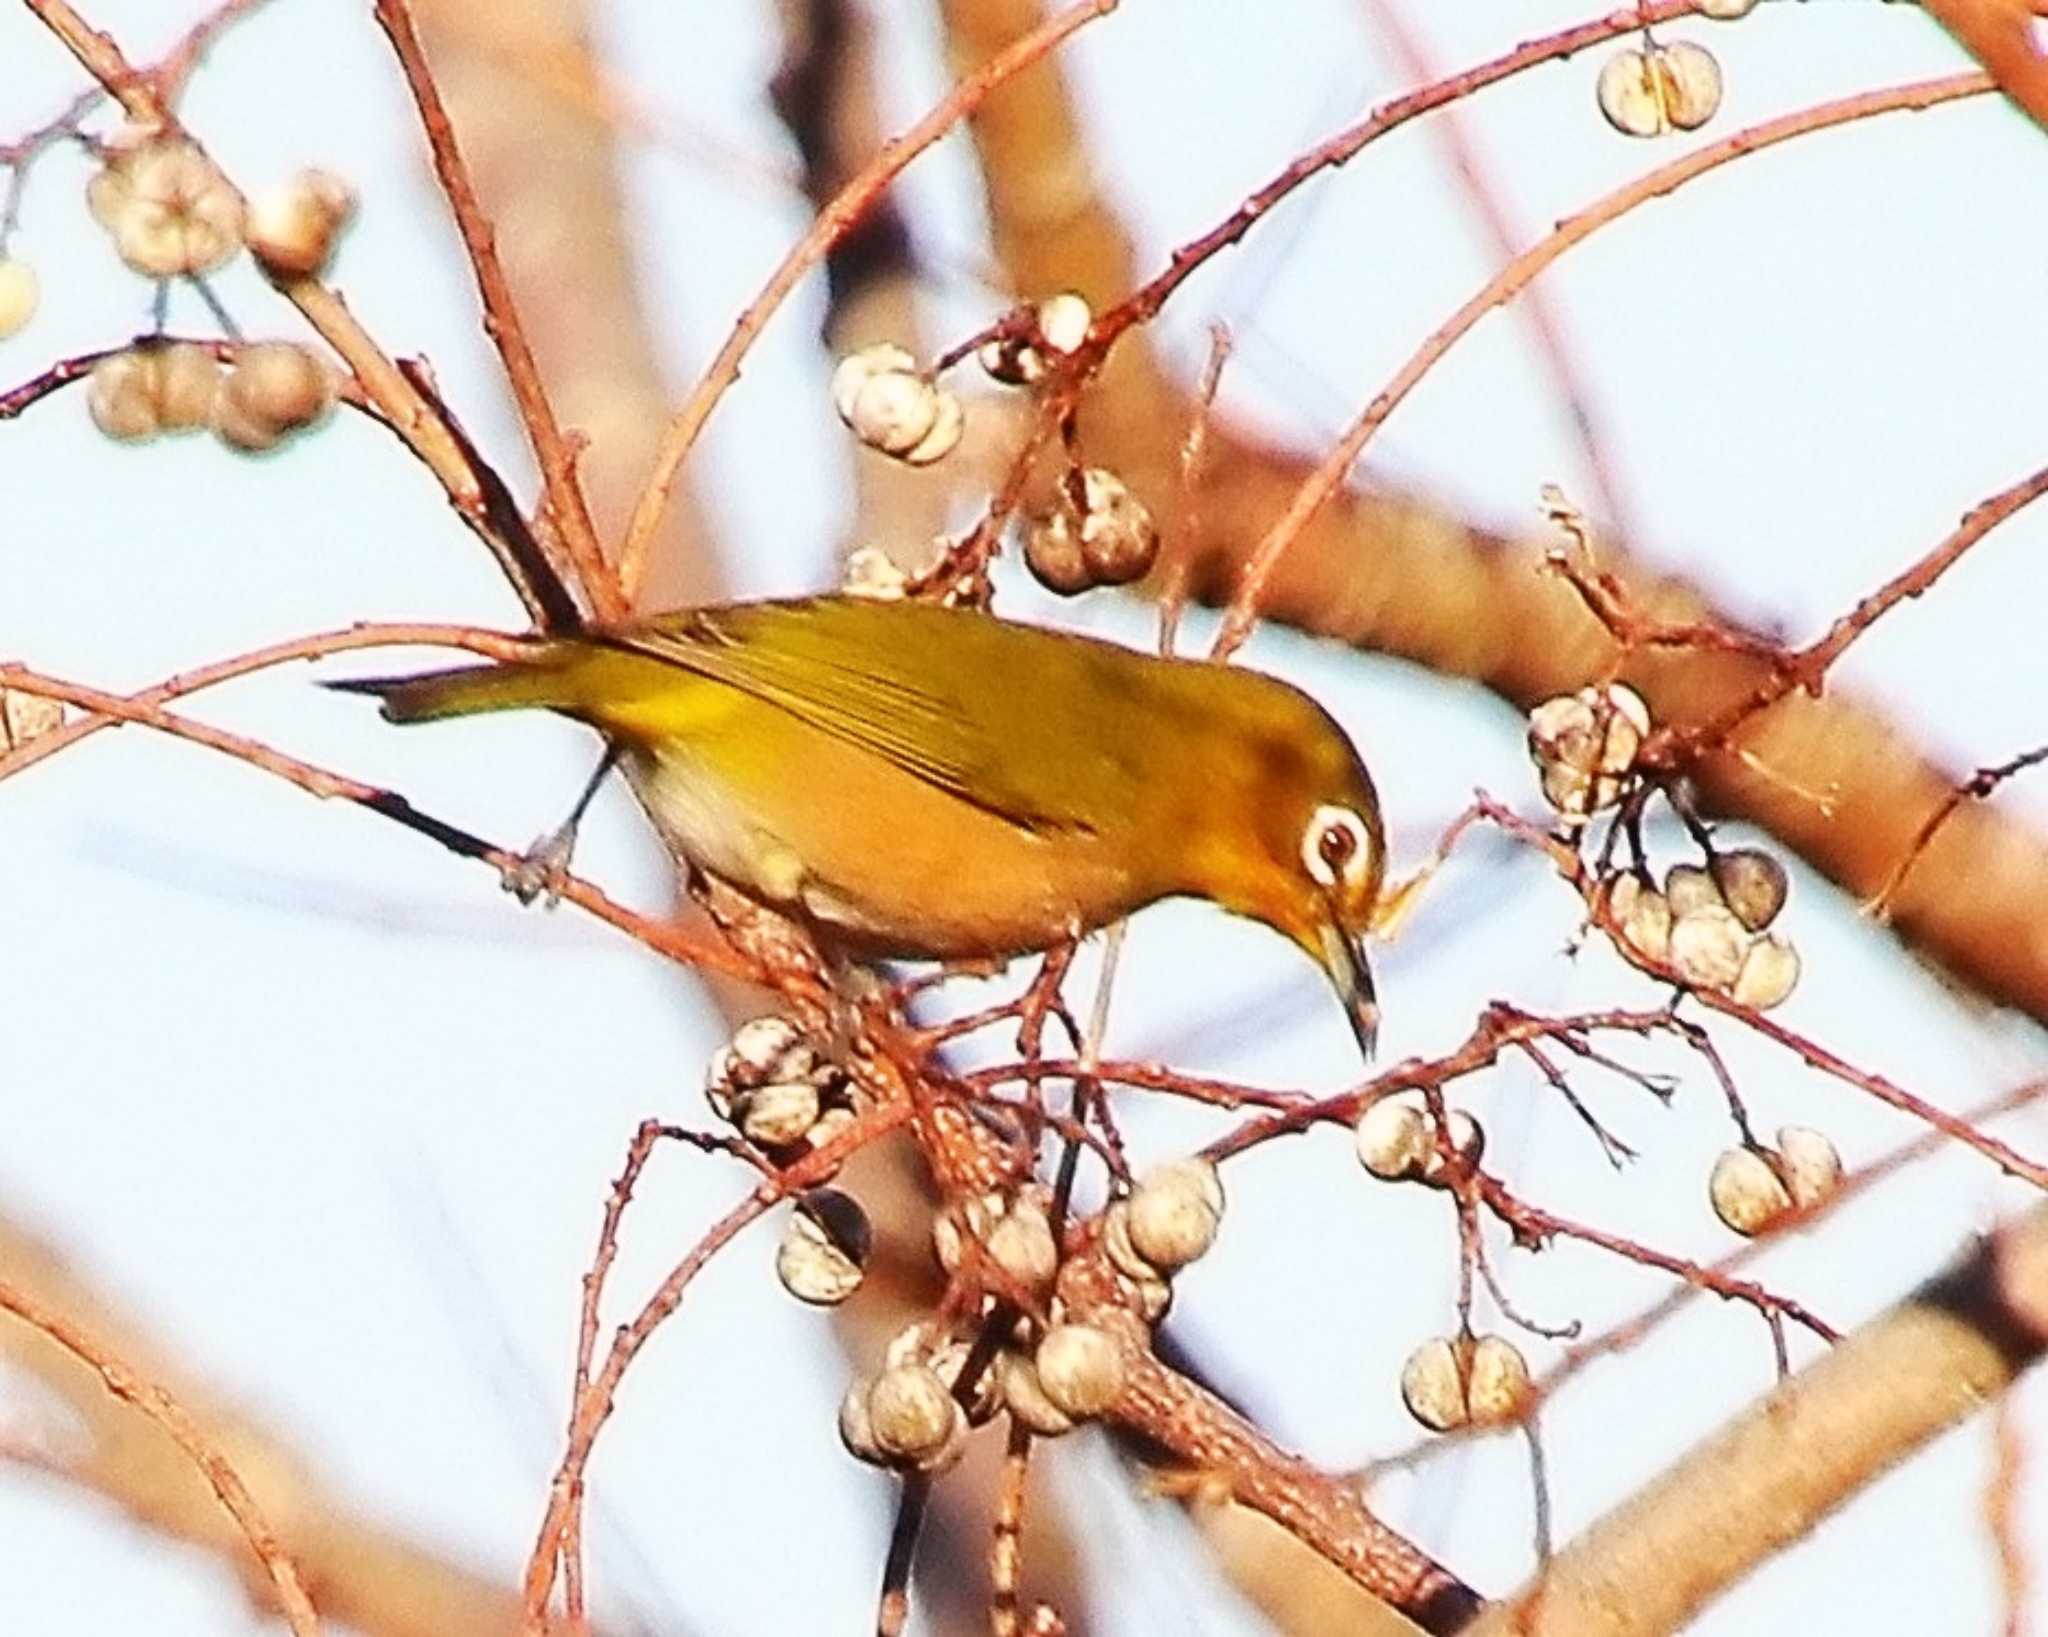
{"x":824,"y":1248}
{"x":1497,"y":1385}
{"x":1770,"y":972}
{"x":1812,"y":1164}
{"x":1393,"y":1139}
{"x":1746,"y":1191}
{"x":1708,"y":946}
{"x":1081,"y":1369}
{"x":1433,"y":1387}
{"x":1175,"y":1212}
{"x":911,"y":1412}
{"x":1752,"y":883}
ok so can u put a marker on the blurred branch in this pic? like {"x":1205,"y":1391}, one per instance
{"x":546,"y":170}
{"x":1497,"y":222}
{"x":2000,"y":35}
{"x":362,"y":1575}
{"x":852,"y":202}
{"x":149,"y":1398}
{"x":562,"y":487}
{"x":1791,"y":1459}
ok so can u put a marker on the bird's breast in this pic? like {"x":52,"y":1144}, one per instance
{"x":887,"y":863}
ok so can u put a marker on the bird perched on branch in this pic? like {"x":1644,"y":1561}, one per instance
{"x":925,"y":782}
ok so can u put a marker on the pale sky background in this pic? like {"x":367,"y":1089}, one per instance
{"x":337,"y":1118}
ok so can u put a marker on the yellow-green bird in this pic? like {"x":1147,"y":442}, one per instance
{"x":924,"y":782}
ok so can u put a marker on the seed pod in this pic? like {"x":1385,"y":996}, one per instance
{"x":1580,"y":741}
{"x":27,"y":716}
{"x":1116,"y":1243}
{"x":1726,"y":11}
{"x":1025,"y":1398}
{"x":170,"y":211}
{"x":778,"y":1115}
{"x":948,"y":421}
{"x":1687,"y":887}
{"x":1497,"y":1386}
{"x":1770,"y":972}
{"x":1012,"y":360}
{"x":1468,"y":1141}
{"x":1708,"y":946}
{"x":1752,"y":883}
{"x":1645,"y":915}
{"x":1811,"y":1163}
{"x":20,"y":291}
{"x":275,"y":388}
{"x":1175,"y":1212}
{"x":1081,"y":1369}
{"x":1647,"y":93}
{"x":1063,"y":322}
{"x":1393,"y":1139}
{"x":824,"y":1248}
{"x":120,"y":395}
{"x":1119,"y":540}
{"x":292,"y":228}
{"x":1433,"y":1386}
{"x":886,"y":403}
{"x":1746,"y":1191}
{"x":188,"y":379}
{"x":1692,"y":77}
{"x":1021,"y":1244}
{"x":1052,"y":551}
{"x":857,"y":1427}
{"x":911,"y":1412}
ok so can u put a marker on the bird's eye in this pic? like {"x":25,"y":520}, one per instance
{"x":1334,"y":846}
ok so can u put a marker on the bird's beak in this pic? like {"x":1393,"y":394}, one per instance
{"x":1343,"y":957}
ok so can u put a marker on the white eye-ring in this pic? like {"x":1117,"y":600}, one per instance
{"x":1336,"y":846}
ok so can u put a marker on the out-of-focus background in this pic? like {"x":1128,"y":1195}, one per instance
{"x":332,"y":1120}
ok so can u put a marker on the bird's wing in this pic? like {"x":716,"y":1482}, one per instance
{"x":940,"y":699}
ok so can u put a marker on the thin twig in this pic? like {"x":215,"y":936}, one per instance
{"x":409,"y":412}
{"x":157,"y":1404}
{"x":830,"y":225}
{"x":554,"y":451}
{"x":1330,"y":472}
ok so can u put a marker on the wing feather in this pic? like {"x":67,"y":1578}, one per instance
{"x":940,"y":700}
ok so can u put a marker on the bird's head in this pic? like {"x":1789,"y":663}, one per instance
{"x":1305,"y":849}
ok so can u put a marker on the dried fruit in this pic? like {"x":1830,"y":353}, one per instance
{"x":824,"y":1248}
{"x":20,"y":291}
{"x":1746,"y":1191}
{"x":291,"y":229}
{"x":1708,"y":946}
{"x":1174,"y":1213}
{"x":1752,"y":883}
{"x":1811,"y":1163}
{"x":1660,"y":88}
{"x":1770,"y":972}
{"x":1080,"y":1368}
{"x":170,"y":211}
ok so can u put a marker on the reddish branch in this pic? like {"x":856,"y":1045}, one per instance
{"x":830,"y":225}
{"x":664,"y":937}
{"x":153,"y":1401}
{"x":423,"y":426}
{"x":555,"y":452}
{"x":1976,"y":787}
{"x":1330,"y":472}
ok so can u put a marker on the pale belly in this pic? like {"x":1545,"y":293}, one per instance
{"x":887,"y":864}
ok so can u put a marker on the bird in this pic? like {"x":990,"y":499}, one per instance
{"x":922,"y":782}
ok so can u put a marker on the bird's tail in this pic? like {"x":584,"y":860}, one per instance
{"x":537,"y":684}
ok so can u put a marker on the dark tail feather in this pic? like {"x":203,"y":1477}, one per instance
{"x":463,"y":691}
